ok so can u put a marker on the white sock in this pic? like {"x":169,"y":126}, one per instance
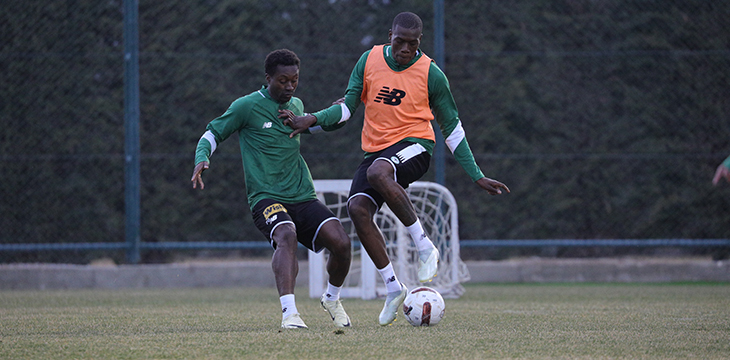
{"x":391,"y":281}
{"x":333,"y":292}
{"x":419,"y":236}
{"x":288,"y":305}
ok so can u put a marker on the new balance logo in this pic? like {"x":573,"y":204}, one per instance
{"x":390,"y":97}
{"x":267,"y":125}
{"x":271,"y":219}
{"x":390,"y":280}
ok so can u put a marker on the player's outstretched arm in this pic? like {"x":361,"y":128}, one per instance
{"x":493,"y":187}
{"x":721,"y":172}
{"x":198,"y":174}
{"x":299,"y":124}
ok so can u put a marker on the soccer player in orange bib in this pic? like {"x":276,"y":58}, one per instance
{"x":402,"y":89}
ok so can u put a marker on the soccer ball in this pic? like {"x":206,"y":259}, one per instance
{"x":424,"y":306}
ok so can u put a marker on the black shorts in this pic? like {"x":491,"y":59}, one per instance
{"x":307,"y":217}
{"x":410,"y":161}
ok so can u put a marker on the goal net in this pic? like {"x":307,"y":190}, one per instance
{"x":437,"y":211}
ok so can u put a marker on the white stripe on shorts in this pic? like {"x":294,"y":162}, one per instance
{"x":389,"y":161}
{"x":271,"y":234}
{"x":316,"y":233}
{"x":360,"y":194}
{"x":410,"y":152}
{"x":404,"y":155}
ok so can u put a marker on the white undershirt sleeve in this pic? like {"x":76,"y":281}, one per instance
{"x":211,"y":139}
{"x":345,"y":113}
{"x":455,"y":137}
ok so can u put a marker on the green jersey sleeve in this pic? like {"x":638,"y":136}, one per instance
{"x":447,"y":116}
{"x":317,"y":129}
{"x":220,"y":129}
{"x":441,"y":100}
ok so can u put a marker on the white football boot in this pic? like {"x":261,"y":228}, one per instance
{"x":293,"y":321}
{"x":392,"y":302}
{"x":428,"y":261}
{"x":336,"y":311}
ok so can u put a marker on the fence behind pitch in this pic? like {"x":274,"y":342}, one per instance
{"x":606,"y":119}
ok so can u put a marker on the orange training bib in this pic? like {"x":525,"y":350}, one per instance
{"x":396,"y":102}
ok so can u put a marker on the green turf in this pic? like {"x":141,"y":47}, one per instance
{"x":588,"y":321}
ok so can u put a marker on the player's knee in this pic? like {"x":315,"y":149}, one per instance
{"x":379,"y":172}
{"x":357,"y":210}
{"x":341,"y":249}
{"x":335,"y":239}
{"x":285,"y":237}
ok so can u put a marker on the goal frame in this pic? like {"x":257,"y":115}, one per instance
{"x":363,"y":281}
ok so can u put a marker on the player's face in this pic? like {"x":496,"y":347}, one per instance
{"x":404,"y":43}
{"x":283,"y":83}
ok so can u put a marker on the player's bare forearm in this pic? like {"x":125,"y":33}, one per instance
{"x":493,"y":187}
{"x":198,"y":174}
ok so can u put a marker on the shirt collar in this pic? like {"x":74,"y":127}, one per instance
{"x":265,"y":93}
{"x":394,"y":64}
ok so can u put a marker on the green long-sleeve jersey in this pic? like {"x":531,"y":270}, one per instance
{"x":439,"y":96}
{"x":272,"y":163}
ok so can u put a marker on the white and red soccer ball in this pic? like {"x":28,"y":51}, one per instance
{"x":424,"y":306}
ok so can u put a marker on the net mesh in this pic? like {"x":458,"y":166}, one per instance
{"x":437,"y":211}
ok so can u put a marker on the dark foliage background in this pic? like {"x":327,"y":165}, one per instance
{"x":605,"y":118}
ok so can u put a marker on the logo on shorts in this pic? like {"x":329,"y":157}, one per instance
{"x":270,"y":220}
{"x":271,"y":210}
{"x":395,"y":159}
{"x":390,"y":97}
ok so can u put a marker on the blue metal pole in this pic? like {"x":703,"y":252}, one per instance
{"x":131,"y":130}
{"x":439,"y":57}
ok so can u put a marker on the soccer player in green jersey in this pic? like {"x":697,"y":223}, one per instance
{"x":402,"y":90}
{"x":279,"y":185}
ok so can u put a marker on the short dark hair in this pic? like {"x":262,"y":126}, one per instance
{"x":280,"y":57}
{"x":407,"y":20}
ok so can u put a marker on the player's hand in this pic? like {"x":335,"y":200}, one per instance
{"x":721,"y":172}
{"x":298,"y":123}
{"x":493,"y":187}
{"x":198,"y":174}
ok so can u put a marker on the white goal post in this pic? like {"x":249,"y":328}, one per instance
{"x":437,"y":210}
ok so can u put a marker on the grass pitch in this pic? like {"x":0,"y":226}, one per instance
{"x":526,"y":321}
